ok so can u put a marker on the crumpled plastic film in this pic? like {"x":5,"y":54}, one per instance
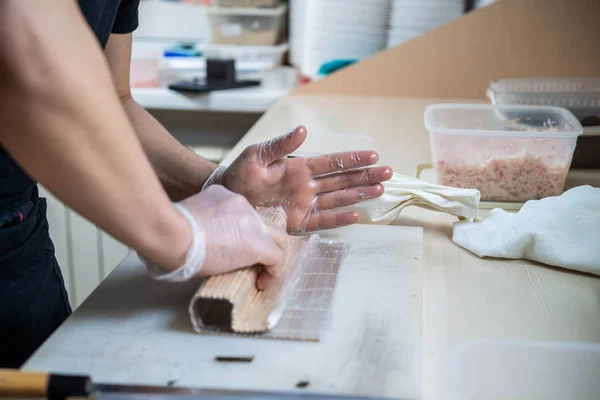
{"x":309,"y":308}
{"x":295,"y":308}
{"x":215,"y":177}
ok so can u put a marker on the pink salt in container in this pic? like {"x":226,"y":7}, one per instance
{"x":509,"y":153}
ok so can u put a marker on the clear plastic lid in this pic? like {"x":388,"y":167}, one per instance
{"x":501,"y":120}
{"x":581,"y":96}
{"x":548,"y":86}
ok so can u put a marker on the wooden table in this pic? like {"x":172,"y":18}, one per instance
{"x":464,"y":297}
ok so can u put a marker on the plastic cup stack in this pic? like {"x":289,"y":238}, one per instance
{"x":411,"y":18}
{"x":326,"y":30}
{"x":483,"y":3}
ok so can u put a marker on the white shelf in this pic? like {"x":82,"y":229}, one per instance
{"x":238,"y":100}
{"x":257,"y":99}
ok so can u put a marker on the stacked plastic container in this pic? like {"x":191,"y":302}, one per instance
{"x":246,"y":22}
{"x":322,"y":31}
{"x":579,"y":95}
{"x":411,"y":18}
{"x":247,"y":31}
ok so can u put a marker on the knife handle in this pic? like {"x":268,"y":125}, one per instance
{"x":42,"y":384}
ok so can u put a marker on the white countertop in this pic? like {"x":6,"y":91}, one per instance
{"x":465,"y":298}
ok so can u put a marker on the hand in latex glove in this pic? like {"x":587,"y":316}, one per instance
{"x":309,"y":189}
{"x":228,"y":234}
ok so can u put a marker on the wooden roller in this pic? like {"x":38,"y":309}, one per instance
{"x":17,"y":383}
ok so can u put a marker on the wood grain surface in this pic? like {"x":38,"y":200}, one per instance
{"x":465,"y":298}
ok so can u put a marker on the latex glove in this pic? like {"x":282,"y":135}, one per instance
{"x":228,"y":234}
{"x":311,"y":190}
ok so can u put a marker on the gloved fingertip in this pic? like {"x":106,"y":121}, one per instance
{"x":373,"y":158}
{"x":347,"y":218}
{"x":300,"y":129}
{"x":298,"y":136}
{"x":263,"y":280}
{"x":260,"y":285}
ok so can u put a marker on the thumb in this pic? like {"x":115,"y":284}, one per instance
{"x":275,"y":149}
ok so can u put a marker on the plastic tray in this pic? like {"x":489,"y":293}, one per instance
{"x":508,"y":153}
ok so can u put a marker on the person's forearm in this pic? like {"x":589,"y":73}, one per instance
{"x":181,"y":171}
{"x":61,"y":119}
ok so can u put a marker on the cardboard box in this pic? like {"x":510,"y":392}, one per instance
{"x":509,"y":39}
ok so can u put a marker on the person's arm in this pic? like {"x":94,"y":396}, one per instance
{"x":311,"y":190}
{"x":181,"y":171}
{"x":61,"y":120}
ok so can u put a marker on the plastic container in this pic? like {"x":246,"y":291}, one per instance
{"x":174,"y":70}
{"x":246,"y":26}
{"x":271,"y":55}
{"x":508,"y":153}
{"x":144,"y":67}
{"x":580,"y":96}
{"x":520,"y":370}
{"x":144,"y":72}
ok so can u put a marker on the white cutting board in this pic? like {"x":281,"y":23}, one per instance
{"x":133,"y":330}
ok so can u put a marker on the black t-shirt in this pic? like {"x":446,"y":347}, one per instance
{"x":104,"y":17}
{"x":110,"y":16}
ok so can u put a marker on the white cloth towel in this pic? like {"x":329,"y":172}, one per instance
{"x":402,"y":191}
{"x":563,"y":231}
